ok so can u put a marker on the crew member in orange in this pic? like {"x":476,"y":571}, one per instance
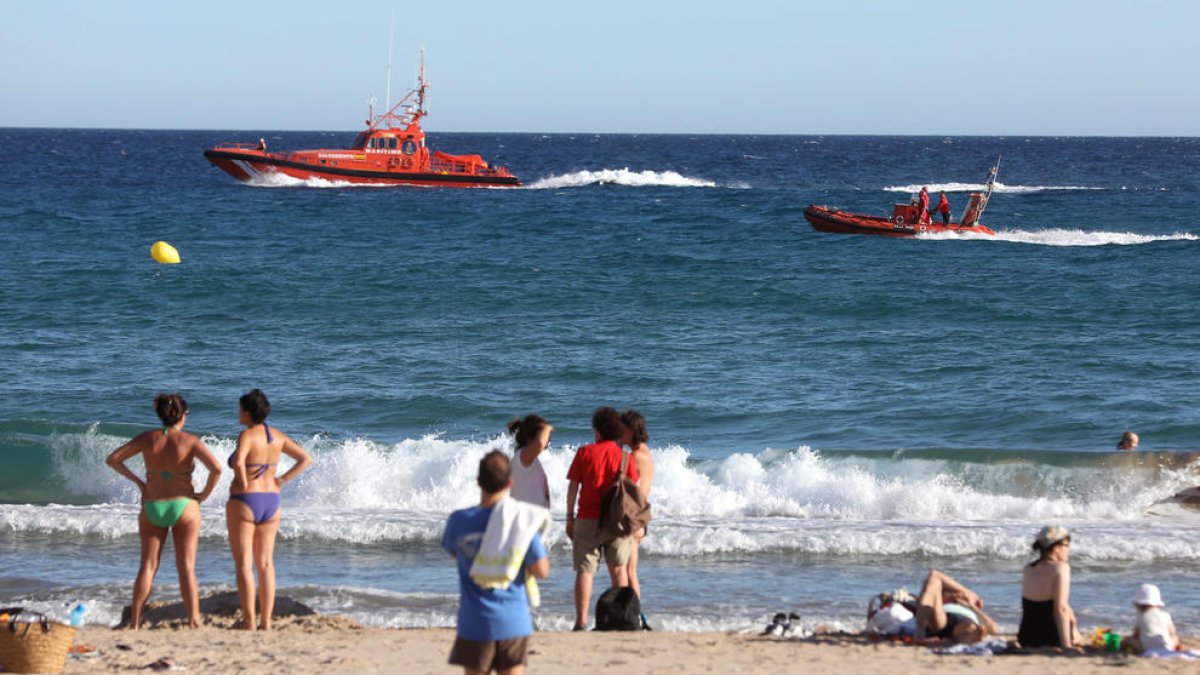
{"x":943,"y":207}
{"x":923,"y":205}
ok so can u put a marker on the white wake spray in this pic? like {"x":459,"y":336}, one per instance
{"x":999,"y":188}
{"x":1062,"y":237}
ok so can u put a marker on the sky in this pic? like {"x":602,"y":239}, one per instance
{"x":935,"y":67}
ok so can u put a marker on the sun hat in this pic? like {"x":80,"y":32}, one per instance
{"x":1051,"y":535}
{"x":1148,"y":595}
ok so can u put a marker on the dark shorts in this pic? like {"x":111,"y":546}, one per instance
{"x":487,"y":656}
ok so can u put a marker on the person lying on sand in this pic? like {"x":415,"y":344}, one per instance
{"x":949,"y":611}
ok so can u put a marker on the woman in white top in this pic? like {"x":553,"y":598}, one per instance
{"x":529,"y":483}
{"x":636,"y":439}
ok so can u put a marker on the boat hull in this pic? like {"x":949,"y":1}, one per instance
{"x":246,"y":165}
{"x":825,"y":219}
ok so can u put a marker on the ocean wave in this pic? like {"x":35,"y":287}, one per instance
{"x":623,"y":177}
{"x":929,"y":504}
{"x":998,"y":187}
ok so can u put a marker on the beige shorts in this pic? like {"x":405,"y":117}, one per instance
{"x":586,"y":552}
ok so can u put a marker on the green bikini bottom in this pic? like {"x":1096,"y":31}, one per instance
{"x":165,"y":512}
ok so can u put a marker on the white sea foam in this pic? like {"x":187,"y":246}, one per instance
{"x":363,"y":492}
{"x":1062,"y":237}
{"x":1072,"y":237}
{"x":998,"y":187}
{"x":278,"y":180}
{"x":623,"y":177}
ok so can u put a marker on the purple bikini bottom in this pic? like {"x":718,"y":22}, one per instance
{"x":264,"y":505}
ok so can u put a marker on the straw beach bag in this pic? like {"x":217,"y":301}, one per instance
{"x":35,"y":645}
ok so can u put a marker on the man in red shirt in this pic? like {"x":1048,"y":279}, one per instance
{"x":592,"y":472}
{"x":943,"y":207}
{"x":923,"y":205}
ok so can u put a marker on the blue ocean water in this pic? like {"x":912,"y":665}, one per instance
{"x":831,"y":415}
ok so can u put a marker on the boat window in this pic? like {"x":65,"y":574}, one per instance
{"x":360,"y":140}
{"x":392,"y":142}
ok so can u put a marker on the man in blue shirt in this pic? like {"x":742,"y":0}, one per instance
{"x":494,"y":625}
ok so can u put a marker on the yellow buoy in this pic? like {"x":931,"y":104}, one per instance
{"x":164,"y":253}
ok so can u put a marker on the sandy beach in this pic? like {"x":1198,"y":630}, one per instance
{"x":325,"y":644}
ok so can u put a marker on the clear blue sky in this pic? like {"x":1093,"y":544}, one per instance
{"x":1054,"y":67}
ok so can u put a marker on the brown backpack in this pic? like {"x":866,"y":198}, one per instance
{"x":623,"y":510}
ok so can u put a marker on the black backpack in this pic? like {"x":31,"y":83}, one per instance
{"x":618,"y":608}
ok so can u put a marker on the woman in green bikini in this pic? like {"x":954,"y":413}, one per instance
{"x":169,"y":500}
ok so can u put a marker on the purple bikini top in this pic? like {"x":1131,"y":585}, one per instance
{"x":258,"y":469}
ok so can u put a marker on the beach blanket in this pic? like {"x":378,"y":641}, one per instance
{"x":510,"y":528}
{"x":1188,"y":654}
{"x":981,"y":648}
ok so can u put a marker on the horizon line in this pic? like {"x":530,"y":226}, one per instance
{"x":627,"y":133}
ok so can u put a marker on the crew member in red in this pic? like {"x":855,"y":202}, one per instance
{"x":923,"y":205}
{"x":943,"y":207}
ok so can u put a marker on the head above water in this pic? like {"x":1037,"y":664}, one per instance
{"x":635,"y":427}
{"x":256,"y":405}
{"x":526,"y":429}
{"x":1129,"y":441}
{"x":170,"y":408}
{"x":495,"y":472}
{"x":606,"y":421}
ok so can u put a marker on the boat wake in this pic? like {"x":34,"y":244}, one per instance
{"x":623,"y":177}
{"x":1000,"y":188}
{"x":279,"y":180}
{"x":1065,"y":237}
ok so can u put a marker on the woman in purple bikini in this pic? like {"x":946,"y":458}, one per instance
{"x":252,"y":511}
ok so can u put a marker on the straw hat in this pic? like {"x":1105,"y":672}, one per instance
{"x":1148,"y":595}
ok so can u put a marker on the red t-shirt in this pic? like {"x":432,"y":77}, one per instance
{"x":595,"y":468}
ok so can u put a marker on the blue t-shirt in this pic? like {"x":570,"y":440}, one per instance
{"x":493,"y":614}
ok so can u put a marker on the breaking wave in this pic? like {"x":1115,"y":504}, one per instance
{"x":623,"y":177}
{"x":950,"y":503}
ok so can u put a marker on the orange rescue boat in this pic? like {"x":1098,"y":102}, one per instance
{"x":906,"y":219}
{"x":391,"y":151}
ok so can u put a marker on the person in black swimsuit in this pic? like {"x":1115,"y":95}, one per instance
{"x":1047,"y":619}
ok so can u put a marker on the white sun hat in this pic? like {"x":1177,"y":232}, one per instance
{"x":1148,"y":595}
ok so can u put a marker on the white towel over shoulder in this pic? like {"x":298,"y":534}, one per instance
{"x":509,"y":531}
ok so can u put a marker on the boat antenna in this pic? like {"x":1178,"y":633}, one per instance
{"x":421,"y":89}
{"x":391,"y":34}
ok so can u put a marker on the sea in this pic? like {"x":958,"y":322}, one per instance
{"x":830,"y":416}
